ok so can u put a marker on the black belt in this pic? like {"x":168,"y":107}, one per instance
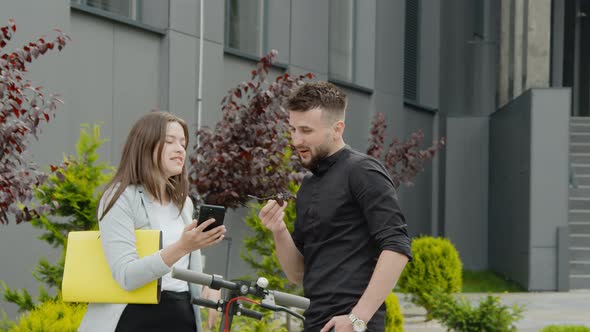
{"x":175,"y":296}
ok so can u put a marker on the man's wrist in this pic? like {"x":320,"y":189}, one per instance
{"x":358,"y":325}
{"x":282,"y":229}
{"x":358,"y":313}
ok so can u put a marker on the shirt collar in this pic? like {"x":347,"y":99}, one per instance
{"x":323,"y":165}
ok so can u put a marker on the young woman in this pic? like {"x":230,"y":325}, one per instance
{"x":150,"y":191}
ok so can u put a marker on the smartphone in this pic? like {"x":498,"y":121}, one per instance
{"x":207,"y":211}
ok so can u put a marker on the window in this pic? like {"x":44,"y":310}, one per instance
{"x":479,"y":19}
{"x":342,"y":21}
{"x":146,"y":15}
{"x":246,"y":26}
{"x":411,"y":50}
{"x":254,"y":27}
{"x":352,"y":43}
{"x":129,"y":9}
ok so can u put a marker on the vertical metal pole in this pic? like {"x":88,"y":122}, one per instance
{"x":200,"y":80}
{"x":227,"y":257}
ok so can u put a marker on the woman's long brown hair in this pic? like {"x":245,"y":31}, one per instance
{"x":137,"y":165}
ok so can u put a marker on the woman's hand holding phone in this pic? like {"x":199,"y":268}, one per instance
{"x":195,"y":237}
{"x":207,"y":211}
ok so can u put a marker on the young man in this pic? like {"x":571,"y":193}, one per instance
{"x":350,"y":243}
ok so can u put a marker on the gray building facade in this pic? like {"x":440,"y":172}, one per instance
{"x":499,"y":79}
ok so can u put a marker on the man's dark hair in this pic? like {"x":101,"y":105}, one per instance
{"x":320,"y":94}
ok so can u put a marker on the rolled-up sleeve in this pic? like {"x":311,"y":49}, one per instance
{"x":377,"y":198}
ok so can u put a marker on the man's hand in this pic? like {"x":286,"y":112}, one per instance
{"x":339,"y":324}
{"x":272,"y":215}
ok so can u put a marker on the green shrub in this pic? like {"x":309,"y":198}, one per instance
{"x":394,"y":320}
{"x":566,"y":328}
{"x":490,"y":315}
{"x":435,"y":266}
{"x":51,"y":316}
{"x":73,"y":188}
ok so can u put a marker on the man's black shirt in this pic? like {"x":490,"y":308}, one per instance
{"x":347,"y":213}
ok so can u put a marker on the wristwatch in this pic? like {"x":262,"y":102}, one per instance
{"x":358,"y":325}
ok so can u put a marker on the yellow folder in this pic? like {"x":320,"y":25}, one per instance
{"x":88,"y":278}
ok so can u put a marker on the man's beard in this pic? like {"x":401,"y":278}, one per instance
{"x":322,"y":153}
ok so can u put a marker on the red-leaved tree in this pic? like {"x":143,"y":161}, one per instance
{"x":403,"y":160}
{"x":23,"y":107}
{"x":248,"y":152}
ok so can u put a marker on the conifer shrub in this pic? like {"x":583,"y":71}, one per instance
{"x":394,"y":320}
{"x":435,"y":267}
{"x":51,"y":316}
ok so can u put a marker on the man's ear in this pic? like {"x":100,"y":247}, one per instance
{"x":338,"y":129}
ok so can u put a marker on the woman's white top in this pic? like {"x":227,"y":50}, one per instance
{"x":171,"y":225}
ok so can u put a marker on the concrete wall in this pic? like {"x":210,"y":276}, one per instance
{"x":525,"y":45}
{"x":466,"y":207}
{"x":468,"y":64}
{"x":180,"y":64}
{"x":528,"y":186}
{"x":417,"y":199}
{"x":309,"y":36}
{"x":389,"y":53}
{"x":429,"y":59}
{"x":549,"y":182}
{"x":509,"y":202}
{"x":466,"y":98}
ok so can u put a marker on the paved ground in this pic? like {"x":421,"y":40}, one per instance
{"x":541,"y":309}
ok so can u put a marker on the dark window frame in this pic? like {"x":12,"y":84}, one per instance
{"x":411,"y":91}
{"x":81,"y":6}
{"x":247,"y":55}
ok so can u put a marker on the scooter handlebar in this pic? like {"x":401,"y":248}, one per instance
{"x":281,"y":298}
{"x":192,"y":276}
{"x":290,"y":300}
{"x":202,"y":278}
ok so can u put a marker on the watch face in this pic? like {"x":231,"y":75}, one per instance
{"x":358,"y":326}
